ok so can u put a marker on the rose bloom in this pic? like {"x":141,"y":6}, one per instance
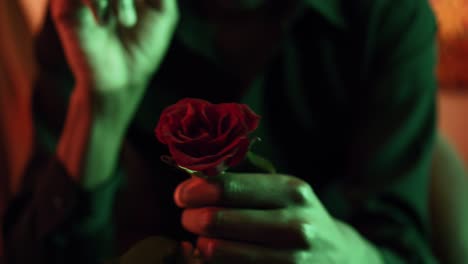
{"x":206,"y":137}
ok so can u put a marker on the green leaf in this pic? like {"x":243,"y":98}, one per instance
{"x":260,"y":162}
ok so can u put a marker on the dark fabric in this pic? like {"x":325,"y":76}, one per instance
{"x":347,"y":101}
{"x":53,"y":220}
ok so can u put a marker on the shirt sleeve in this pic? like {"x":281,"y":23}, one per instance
{"x":53,"y":220}
{"x":394,"y":131}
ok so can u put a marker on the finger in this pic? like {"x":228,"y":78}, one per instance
{"x":163,"y":12}
{"x":127,"y":13}
{"x":100,"y":9}
{"x":197,"y":192}
{"x":226,"y":252}
{"x":254,"y":191}
{"x":153,"y":32}
{"x":272,"y":228}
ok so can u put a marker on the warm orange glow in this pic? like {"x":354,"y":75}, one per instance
{"x":34,"y":11}
{"x":452,"y":16}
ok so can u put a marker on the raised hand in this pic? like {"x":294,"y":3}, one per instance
{"x":114,"y":46}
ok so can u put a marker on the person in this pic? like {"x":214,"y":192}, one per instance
{"x":346,"y":92}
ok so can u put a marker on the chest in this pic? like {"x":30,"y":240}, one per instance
{"x":245,"y":48}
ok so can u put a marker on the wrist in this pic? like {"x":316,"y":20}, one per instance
{"x":90,"y":143}
{"x":103,"y":150}
{"x":115,"y":106}
{"x":363,"y":250}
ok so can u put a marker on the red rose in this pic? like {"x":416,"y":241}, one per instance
{"x":206,"y":137}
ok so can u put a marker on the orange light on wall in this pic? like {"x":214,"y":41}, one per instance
{"x":452,"y":18}
{"x":34,"y":12}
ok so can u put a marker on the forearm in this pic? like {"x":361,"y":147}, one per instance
{"x":89,"y":149}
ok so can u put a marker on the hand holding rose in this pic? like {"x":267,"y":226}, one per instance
{"x":265,"y":218}
{"x":245,"y":217}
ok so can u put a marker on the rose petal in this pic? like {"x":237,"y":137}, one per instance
{"x":206,"y":161}
{"x":201,"y":135}
{"x":250,"y":118}
{"x":240,"y":153}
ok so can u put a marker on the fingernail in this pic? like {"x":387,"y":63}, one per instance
{"x":205,"y":247}
{"x":195,"y":221}
{"x":197,"y":192}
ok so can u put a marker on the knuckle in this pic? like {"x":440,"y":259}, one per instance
{"x":101,"y":4}
{"x":214,"y":252}
{"x":210,"y":221}
{"x":126,"y":5}
{"x":169,"y":8}
{"x":299,"y":192}
{"x":299,"y":257}
{"x":231,"y":188}
{"x":211,"y":251}
{"x":302,"y":234}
